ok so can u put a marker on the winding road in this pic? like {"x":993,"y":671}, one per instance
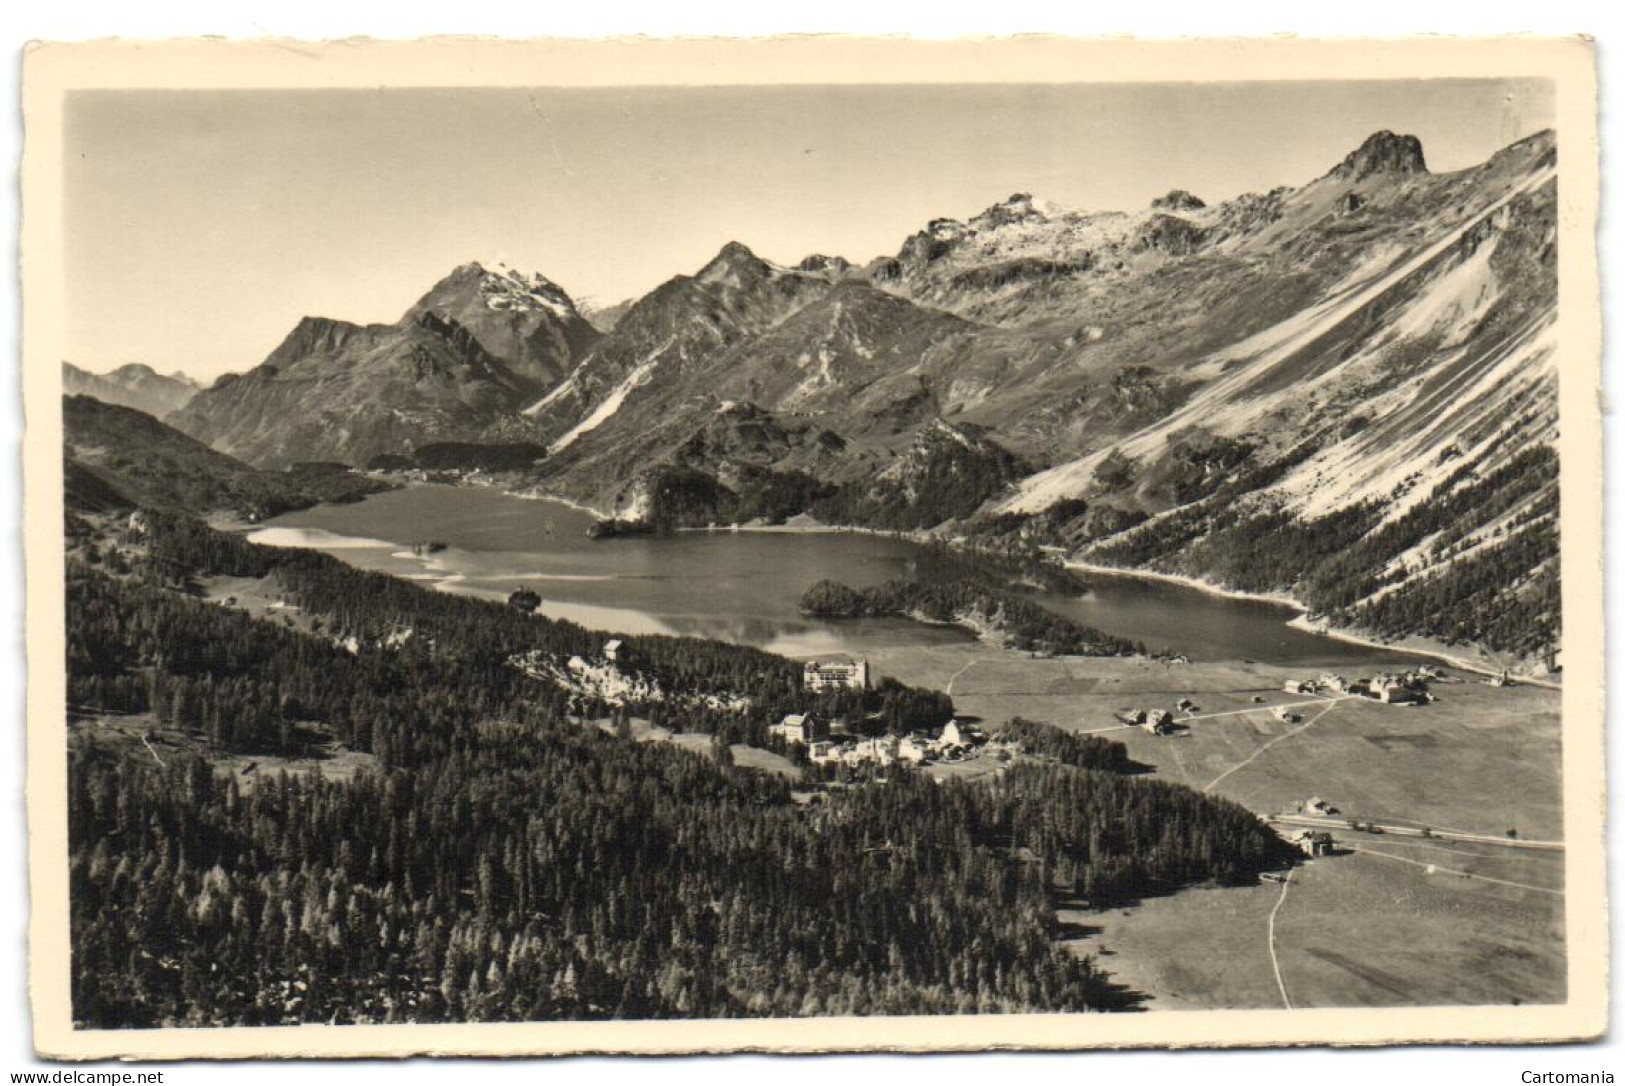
{"x":1275,"y":963}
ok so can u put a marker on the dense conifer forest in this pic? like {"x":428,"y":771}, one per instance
{"x":505,"y":860}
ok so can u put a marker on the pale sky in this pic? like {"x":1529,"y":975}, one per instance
{"x":201,"y":225}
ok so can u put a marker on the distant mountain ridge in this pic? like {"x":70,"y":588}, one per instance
{"x":472,"y":352}
{"x":1358,"y":347}
{"x":134,"y":385}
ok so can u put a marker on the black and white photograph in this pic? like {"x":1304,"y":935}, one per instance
{"x":1052,"y":553}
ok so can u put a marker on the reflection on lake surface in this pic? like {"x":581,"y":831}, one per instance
{"x":743,"y":586}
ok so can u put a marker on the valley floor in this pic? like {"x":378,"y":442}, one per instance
{"x":1388,"y":919}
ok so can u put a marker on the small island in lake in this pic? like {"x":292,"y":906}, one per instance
{"x":995,"y":613}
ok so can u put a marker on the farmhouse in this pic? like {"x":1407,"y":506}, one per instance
{"x":1314,"y":842}
{"x":836,"y":674}
{"x":1395,"y":694}
{"x":1300,"y":686}
{"x":612,"y":651}
{"x":1285,"y":715}
{"x":1159,"y":722}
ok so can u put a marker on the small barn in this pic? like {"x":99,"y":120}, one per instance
{"x":1314,"y":842}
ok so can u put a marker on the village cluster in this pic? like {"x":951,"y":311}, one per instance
{"x":1409,"y":687}
{"x":828,"y":741}
{"x":1391,"y":687}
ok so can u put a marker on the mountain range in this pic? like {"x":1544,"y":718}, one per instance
{"x":134,"y":385}
{"x":1342,"y":391}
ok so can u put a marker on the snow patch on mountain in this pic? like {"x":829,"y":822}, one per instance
{"x":557,"y":393}
{"x":509,"y":290}
{"x":611,"y":403}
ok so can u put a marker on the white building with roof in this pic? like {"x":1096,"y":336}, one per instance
{"x":836,"y":674}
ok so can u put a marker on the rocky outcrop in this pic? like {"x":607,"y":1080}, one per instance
{"x":1177,"y":200}
{"x":834,"y":266}
{"x":948,"y":471}
{"x":1168,"y":234}
{"x":1382,"y":153}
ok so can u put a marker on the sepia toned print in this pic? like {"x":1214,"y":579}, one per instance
{"x":698,"y":547}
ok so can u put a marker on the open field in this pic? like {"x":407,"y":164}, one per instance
{"x":260,"y":597}
{"x":1482,"y":759}
{"x":1353,"y":930}
{"x":1389,"y":919}
{"x":139,"y":736}
{"x":743,"y":755}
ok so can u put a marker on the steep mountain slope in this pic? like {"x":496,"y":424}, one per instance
{"x":851,"y":358}
{"x":465,"y":358}
{"x":1384,"y":453}
{"x":134,"y":385}
{"x":680,"y":324}
{"x":118,"y":457}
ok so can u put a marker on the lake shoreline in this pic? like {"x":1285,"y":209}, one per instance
{"x":1280,"y":611}
{"x":1277,"y":599}
{"x":1303,"y":621}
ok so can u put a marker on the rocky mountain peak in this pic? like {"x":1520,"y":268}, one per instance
{"x":819,"y":263}
{"x":312,"y":336}
{"x":473,"y":286}
{"x":734,"y":263}
{"x":1382,"y":153}
{"x":463,"y":275}
{"x":1019,"y":207}
{"x":1178,"y":200}
{"x":507,"y":289}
